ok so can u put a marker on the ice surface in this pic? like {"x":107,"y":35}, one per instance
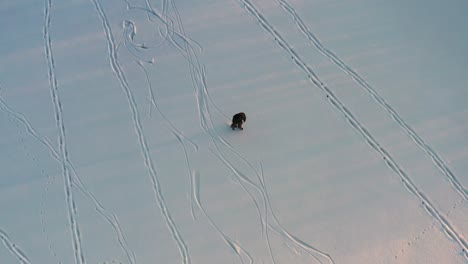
{"x":115,"y":144}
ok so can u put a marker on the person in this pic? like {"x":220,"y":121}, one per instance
{"x":237,"y":121}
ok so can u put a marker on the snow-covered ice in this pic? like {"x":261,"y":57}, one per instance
{"x":115,"y":145}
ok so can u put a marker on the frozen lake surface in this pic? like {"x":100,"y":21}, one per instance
{"x":115,"y":145}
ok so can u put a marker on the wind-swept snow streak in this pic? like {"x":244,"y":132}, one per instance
{"x":436,"y":159}
{"x":336,"y":103}
{"x":116,"y":68}
{"x":13,"y":248}
{"x":76,"y":237}
{"x":111,"y":218}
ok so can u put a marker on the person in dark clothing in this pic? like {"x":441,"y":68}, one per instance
{"x":237,"y":121}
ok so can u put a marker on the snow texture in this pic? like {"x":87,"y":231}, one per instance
{"x":116,"y":144}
